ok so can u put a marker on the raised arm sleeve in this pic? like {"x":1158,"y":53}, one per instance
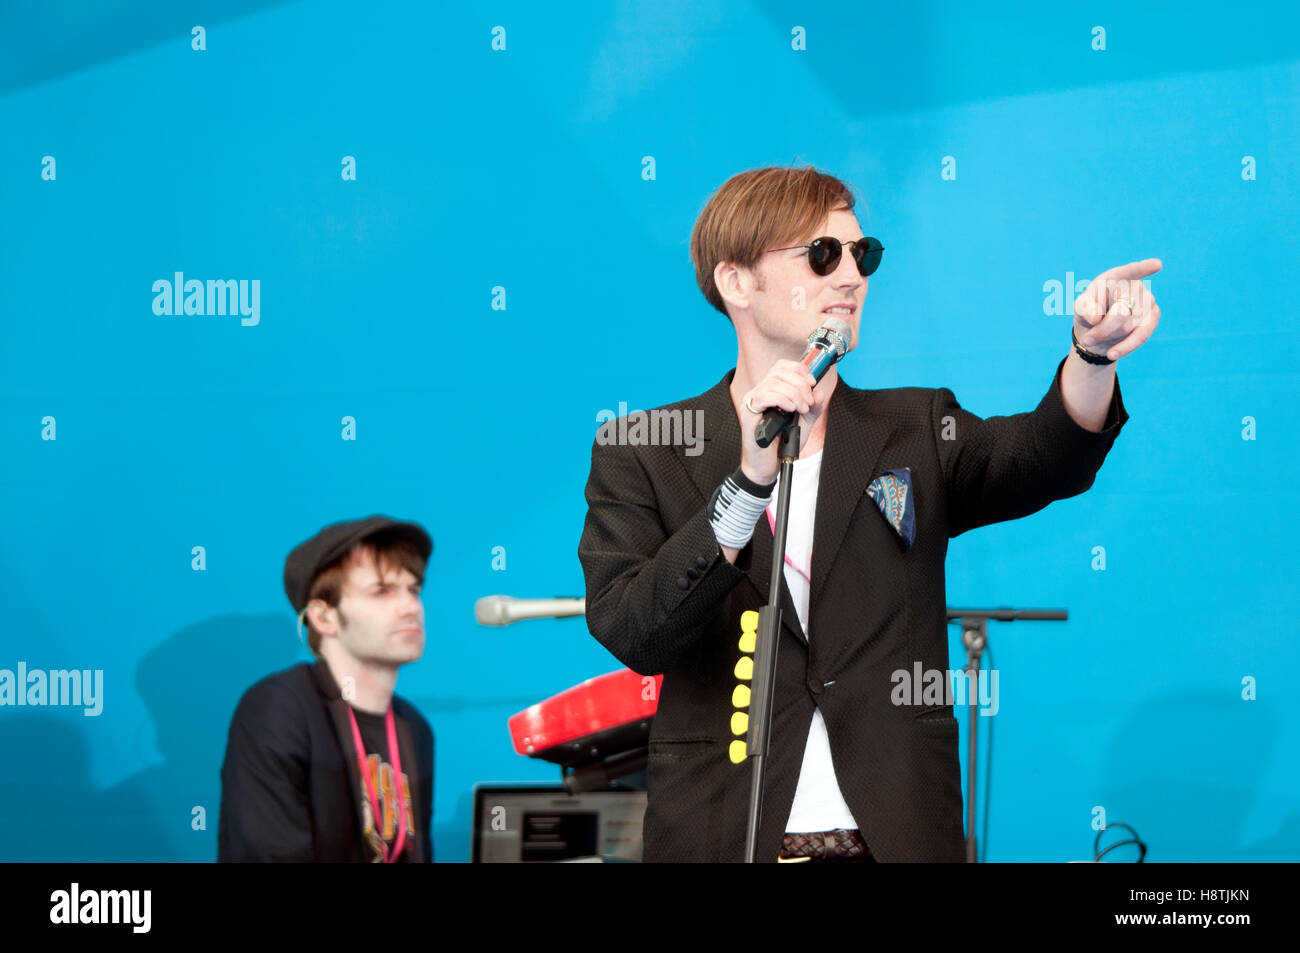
{"x":1002,"y":468}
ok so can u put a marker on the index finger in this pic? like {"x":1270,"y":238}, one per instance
{"x":1133,"y":270}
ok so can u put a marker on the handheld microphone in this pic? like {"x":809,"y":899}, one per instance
{"x":826,"y":345}
{"x":502,"y":610}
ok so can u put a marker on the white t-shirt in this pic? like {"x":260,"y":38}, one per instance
{"x":818,"y":803}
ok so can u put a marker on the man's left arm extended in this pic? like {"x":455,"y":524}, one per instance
{"x":1003,"y":468}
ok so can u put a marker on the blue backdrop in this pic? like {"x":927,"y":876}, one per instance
{"x":995,"y":153}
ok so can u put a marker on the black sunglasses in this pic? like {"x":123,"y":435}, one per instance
{"x":824,"y":254}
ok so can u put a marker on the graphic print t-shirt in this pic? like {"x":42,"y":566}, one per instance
{"x":375,"y":737}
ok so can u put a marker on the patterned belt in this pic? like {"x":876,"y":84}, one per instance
{"x":840,"y":845}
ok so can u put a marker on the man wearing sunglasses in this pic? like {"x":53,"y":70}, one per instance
{"x":675,"y":547}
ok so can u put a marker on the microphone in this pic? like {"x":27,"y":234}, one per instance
{"x":502,"y":610}
{"x":826,"y":345}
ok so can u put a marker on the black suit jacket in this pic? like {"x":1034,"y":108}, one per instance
{"x":663,"y":599}
{"x":290,"y":781}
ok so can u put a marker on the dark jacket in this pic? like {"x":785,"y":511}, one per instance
{"x":663,"y":599}
{"x":290,"y":781}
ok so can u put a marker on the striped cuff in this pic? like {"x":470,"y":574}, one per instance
{"x":735,"y":507}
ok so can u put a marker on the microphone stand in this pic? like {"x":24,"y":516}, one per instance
{"x":765,"y":645}
{"x":975,"y":637}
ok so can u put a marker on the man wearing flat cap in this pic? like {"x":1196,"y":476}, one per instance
{"x":324,"y":762}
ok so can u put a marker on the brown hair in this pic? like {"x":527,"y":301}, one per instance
{"x":381,"y":550}
{"x":758,"y":210}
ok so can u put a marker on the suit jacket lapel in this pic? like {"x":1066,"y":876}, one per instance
{"x":854,"y":440}
{"x":343,"y":731}
{"x":760,"y":572}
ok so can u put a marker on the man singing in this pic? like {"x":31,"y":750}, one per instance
{"x":677,"y":546}
{"x":325,"y":762}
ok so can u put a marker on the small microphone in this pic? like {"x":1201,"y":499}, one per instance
{"x":826,"y":345}
{"x":502,"y":610}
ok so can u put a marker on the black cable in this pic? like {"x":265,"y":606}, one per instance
{"x":1135,"y":839}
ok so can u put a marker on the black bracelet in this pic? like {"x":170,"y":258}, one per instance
{"x":750,"y":487}
{"x":1088,"y":355}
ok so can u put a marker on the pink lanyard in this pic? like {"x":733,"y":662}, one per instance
{"x":771,"y":524}
{"x":395,"y":759}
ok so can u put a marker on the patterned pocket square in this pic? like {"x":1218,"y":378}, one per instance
{"x":892,"y":491}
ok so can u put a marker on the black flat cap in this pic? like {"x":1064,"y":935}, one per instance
{"x":309,"y":558}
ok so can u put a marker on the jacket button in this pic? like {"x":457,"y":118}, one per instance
{"x":701,"y":562}
{"x":815,"y":686}
{"x":683,"y":583}
{"x":692,"y":574}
